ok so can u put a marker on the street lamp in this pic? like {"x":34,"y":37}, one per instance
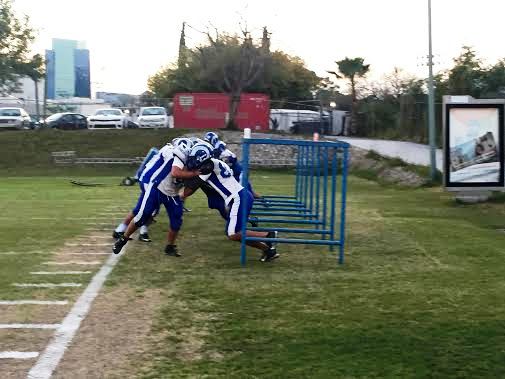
{"x":431,"y":101}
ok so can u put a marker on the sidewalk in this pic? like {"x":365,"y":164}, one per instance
{"x":410,"y":152}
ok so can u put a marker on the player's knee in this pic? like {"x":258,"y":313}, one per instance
{"x":141,"y":220}
{"x":234,"y":237}
{"x":176,"y":226}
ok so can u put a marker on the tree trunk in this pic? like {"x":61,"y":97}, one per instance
{"x":354,"y":121}
{"x":234,"y":104}
{"x":37,"y":109}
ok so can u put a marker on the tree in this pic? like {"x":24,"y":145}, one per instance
{"x":15,"y":39}
{"x":34,"y":69}
{"x":466,"y":77}
{"x":352,"y":69}
{"x":233,"y":64}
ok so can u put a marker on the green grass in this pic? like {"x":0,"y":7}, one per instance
{"x":28,"y":152}
{"x":421,"y":293}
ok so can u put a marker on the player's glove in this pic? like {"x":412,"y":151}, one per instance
{"x":207,"y":167}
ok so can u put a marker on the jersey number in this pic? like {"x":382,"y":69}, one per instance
{"x":225,"y":171}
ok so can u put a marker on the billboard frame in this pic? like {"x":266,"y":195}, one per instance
{"x":467,"y":102}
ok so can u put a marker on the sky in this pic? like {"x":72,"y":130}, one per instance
{"x":129,"y":40}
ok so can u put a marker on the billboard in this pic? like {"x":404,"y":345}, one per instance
{"x":474,"y":145}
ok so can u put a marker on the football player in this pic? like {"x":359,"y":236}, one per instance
{"x":220,"y":177}
{"x":168,"y":161}
{"x":120,"y":229}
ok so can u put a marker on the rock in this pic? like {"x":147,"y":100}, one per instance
{"x":275,"y":156}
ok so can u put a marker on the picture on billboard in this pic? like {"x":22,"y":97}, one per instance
{"x":474,"y":155}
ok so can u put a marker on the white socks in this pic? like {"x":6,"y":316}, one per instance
{"x":121,"y":228}
{"x":143,"y":229}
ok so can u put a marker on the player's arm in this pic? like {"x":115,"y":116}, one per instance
{"x":178,"y":171}
{"x":191,"y":186}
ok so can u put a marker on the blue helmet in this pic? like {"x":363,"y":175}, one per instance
{"x":211,"y":138}
{"x":219,"y":148}
{"x":199,"y":153}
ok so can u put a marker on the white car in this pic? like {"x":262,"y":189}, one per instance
{"x":153,"y":117}
{"x":109,"y":118}
{"x":14,"y":118}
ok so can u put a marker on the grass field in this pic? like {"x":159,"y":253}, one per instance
{"x":421,"y":293}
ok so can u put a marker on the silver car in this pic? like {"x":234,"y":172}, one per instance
{"x":14,"y":118}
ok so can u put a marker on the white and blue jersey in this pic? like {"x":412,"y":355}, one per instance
{"x":150,"y":155}
{"x":159,"y":166}
{"x":222,"y":181}
{"x":231,"y":159}
{"x":156,"y":170}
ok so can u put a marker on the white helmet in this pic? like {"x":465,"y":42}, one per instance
{"x":182,"y":147}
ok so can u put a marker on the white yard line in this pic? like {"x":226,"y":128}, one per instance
{"x":86,"y":244}
{"x":33,"y":302}
{"x":53,"y":353}
{"x":29,"y":326}
{"x":59,"y":272}
{"x":90,"y":263}
{"x":18,"y":354}
{"x":47,"y":285}
{"x":23,"y":252}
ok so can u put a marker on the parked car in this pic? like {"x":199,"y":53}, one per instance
{"x":67,"y":121}
{"x":153,"y":117}
{"x":14,"y":118}
{"x":311,"y":126}
{"x":109,"y":118}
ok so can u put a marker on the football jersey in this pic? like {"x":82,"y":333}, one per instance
{"x":228,"y":156}
{"x":171,"y":186}
{"x":159,"y":167}
{"x":222,"y":180}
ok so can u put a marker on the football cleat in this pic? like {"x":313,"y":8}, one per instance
{"x":269,"y":255}
{"x":117,"y":235}
{"x":144,"y":237}
{"x":118,"y":246}
{"x":171,"y":250}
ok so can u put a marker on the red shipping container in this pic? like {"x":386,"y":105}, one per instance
{"x":211,"y":111}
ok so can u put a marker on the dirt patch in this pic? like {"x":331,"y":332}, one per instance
{"x":15,"y":369}
{"x":25,"y":341}
{"x":112,"y":337}
{"x":33,"y":314}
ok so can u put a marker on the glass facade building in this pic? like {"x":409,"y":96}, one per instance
{"x":68,"y":71}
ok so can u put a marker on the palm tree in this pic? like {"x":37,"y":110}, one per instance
{"x":352,"y":69}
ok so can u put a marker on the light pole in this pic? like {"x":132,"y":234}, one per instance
{"x":431,"y":101}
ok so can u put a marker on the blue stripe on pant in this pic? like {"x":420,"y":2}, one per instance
{"x":234,"y":219}
{"x":174,"y":207}
{"x":148,"y":205}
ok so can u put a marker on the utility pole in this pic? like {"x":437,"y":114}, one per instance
{"x":431,"y":101}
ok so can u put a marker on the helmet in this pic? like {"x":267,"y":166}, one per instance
{"x":182,"y":147}
{"x":182,"y":141}
{"x":200,"y":153}
{"x":196,"y":140}
{"x":219,"y":148}
{"x":211,"y":138}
